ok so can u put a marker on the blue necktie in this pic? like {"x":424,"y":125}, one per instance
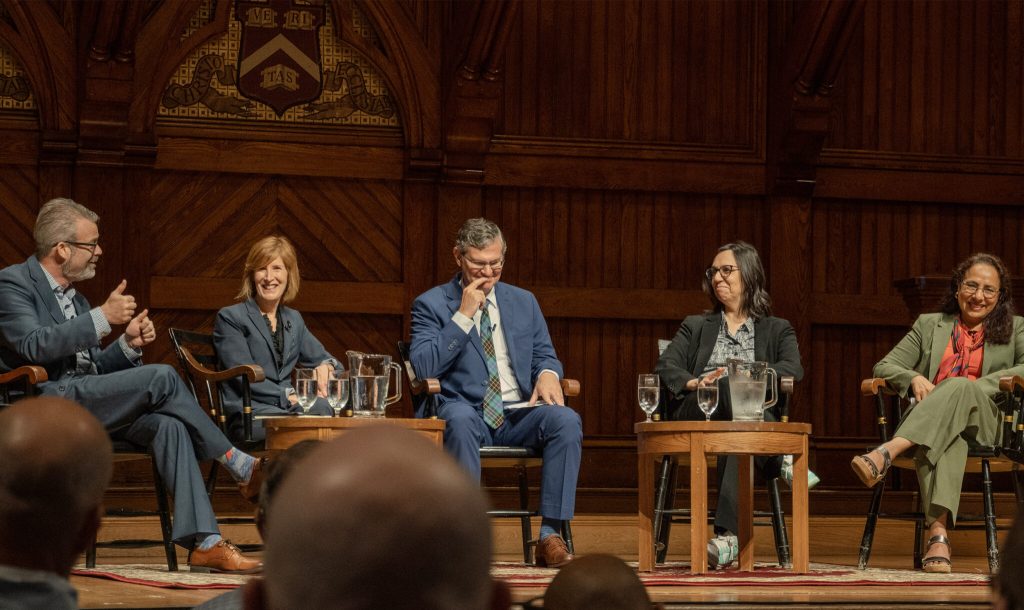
{"x":493,"y":415}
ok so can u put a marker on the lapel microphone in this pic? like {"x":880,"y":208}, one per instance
{"x":288,"y":326}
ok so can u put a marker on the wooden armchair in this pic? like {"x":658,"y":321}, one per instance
{"x":422,"y":391}
{"x":197,"y":358}
{"x":20,"y":382}
{"x":983,"y":459}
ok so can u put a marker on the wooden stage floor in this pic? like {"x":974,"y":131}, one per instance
{"x":834,"y":540}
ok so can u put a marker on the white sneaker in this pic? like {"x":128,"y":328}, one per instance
{"x":787,"y":474}
{"x":723,"y":550}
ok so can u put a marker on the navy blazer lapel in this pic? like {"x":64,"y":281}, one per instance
{"x":453,"y":291}
{"x":508,"y":317}
{"x":291,"y":346}
{"x":42,"y":286}
{"x":260,"y":324}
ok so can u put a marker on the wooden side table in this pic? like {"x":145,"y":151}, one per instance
{"x":742,"y":439}
{"x":285,"y":431}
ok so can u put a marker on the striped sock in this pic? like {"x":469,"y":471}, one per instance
{"x":238,"y":463}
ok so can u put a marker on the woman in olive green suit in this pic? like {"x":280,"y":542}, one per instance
{"x":950,"y":364}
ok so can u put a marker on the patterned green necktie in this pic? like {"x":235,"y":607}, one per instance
{"x":492,"y":408}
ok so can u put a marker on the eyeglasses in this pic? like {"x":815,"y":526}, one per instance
{"x":87,"y":245}
{"x":970,"y":288}
{"x":479,"y":265}
{"x":725,"y":270}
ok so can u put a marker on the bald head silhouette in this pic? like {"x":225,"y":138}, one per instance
{"x":596,"y":582}
{"x":379,"y":518}
{"x":55,"y":464}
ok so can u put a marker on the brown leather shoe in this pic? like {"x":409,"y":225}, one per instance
{"x":250,"y":490}
{"x":223,"y":558}
{"x":552,"y":552}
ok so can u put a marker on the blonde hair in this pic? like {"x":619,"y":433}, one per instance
{"x":260,"y":255}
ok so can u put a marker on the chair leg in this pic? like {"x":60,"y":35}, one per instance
{"x":918,"y":539}
{"x":165,"y":519}
{"x":779,"y":524}
{"x":869,"y":526}
{"x":524,"y":521}
{"x":90,"y":553}
{"x":990,"y":519}
{"x":567,"y":536}
{"x":664,"y":500}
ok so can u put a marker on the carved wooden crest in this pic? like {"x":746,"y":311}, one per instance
{"x":279,"y":60}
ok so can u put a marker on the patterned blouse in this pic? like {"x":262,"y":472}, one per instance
{"x":740,"y":345}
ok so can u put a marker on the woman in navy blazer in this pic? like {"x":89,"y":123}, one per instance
{"x":262,"y":330}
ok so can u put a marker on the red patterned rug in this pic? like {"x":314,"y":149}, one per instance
{"x":677,"y":574}
{"x":519,"y":575}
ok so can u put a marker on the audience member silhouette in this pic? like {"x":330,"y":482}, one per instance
{"x":379,"y":518}
{"x":55,"y":464}
{"x":1008,"y":584}
{"x":276,"y":470}
{"x":596,"y":582}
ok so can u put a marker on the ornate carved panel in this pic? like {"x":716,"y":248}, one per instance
{"x":281,"y":52}
{"x":16,"y":95}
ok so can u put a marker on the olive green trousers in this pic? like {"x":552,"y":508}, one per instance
{"x":954,"y":416}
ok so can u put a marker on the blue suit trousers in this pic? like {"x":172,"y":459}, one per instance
{"x":557,"y":431}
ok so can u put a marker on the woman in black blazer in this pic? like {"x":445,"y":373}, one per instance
{"x":739,"y":325}
{"x":262,"y":330}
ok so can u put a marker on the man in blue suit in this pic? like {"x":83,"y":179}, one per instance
{"x":488,"y":345}
{"x":44,"y":321}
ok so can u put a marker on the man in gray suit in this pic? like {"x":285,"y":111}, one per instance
{"x":55,"y":463}
{"x":44,"y":321}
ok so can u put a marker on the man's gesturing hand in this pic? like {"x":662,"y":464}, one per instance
{"x":140,"y":331}
{"x":119,"y":307}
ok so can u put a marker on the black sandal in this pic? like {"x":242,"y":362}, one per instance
{"x":865,"y":469}
{"x":936,"y":564}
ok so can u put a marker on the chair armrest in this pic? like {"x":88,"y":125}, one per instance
{"x":252,"y":372}
{"x":430,"y":385}
{"x":570,"y":387}
{"x":1011,"y":383}
{"x":32,"y":374}
{"x":876,"y":386}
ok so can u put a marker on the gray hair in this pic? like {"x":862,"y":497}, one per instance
{"x":478,"y":233}
{"x":56,"y":223}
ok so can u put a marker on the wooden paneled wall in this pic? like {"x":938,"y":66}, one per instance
{"x":617,"y":143}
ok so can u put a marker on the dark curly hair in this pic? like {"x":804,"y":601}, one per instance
{"x":999,"y":323}
{"x":756,"y":302}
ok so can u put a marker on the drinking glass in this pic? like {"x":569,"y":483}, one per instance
{"x":647,"y":389}
{"x":337,"y":391}
{"x":305,"y":388}
{"x":707,"y":399}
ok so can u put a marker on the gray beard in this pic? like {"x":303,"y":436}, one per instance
{"x":84,"y":274}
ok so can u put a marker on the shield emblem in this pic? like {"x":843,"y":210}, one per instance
{"x":279,"y":59}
